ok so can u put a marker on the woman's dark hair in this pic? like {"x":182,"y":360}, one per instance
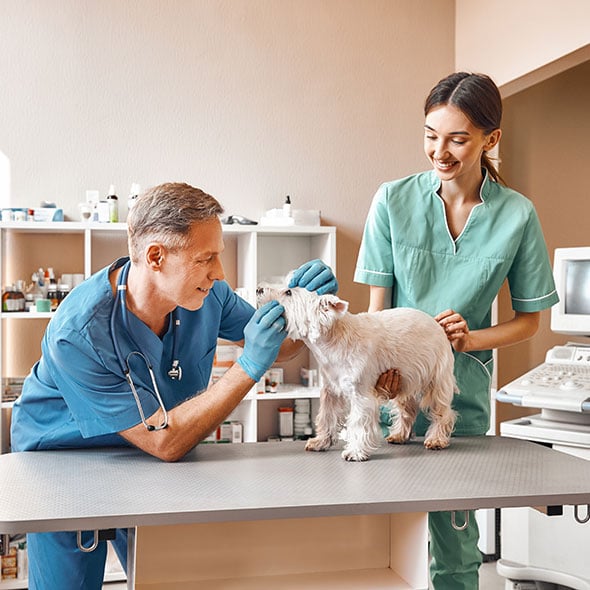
{"x":478,"y":97}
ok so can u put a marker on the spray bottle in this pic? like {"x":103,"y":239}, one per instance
{"x":287,"y":207}
{"x":113,"y":202}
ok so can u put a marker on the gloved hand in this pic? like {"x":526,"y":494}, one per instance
{"x":386,"y":419}
{"x":315,"y":275}
{"x":263,"y":336}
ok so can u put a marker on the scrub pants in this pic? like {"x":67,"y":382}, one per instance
{"x":455,"y":555}
{"x":56,"y":562}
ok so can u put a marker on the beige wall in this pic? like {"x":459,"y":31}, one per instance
{"x":254,"y":99}
{"x":517,"y":41}
{"x":545,"y":153}
{"x":249,"y":99}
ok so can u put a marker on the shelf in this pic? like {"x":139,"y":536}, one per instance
{"x":60,"y":226}
{"x":293,"y":230}
{"x":81,"y":226}
{"x":288,"y":391}
{"x":23,"y":584}
{"x":376,"y":579}
{"x":26,"y":315}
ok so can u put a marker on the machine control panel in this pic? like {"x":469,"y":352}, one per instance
{"x":561,"y":382}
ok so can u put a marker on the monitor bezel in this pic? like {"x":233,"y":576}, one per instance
{"x":562,"y":323}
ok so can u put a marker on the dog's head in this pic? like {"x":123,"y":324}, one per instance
{"x":308,"y":314}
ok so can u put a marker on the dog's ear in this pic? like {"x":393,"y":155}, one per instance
{"x":335,"y":304}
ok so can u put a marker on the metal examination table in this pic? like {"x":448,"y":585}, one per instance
{"x":270,"y":515}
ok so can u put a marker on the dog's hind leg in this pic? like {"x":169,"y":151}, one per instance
{"x":329,"y":420}
{"x":441,"y":416}
{"x":407,"y":410}
{"x":363,"y":433}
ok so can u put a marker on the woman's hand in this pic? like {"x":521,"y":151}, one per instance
{"x":389,"y":383}
{"x":455,"y":328}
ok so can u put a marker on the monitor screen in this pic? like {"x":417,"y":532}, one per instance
{"x":577,"y":287}
{"x":571,"y":269}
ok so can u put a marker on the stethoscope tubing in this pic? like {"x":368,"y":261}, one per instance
{"x":120,"y":301}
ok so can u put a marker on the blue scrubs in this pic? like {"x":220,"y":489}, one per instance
{"x":407,"y":246}
{"x":77,"y":396}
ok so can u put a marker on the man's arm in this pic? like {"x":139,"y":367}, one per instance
{"x":193,"y":420}
{"x":190,"y":422}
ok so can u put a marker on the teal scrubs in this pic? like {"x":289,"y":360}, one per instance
{"x":407,"y":246}
{"x":77,"y":396}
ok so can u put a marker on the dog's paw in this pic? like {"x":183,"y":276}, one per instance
{"x":354,"y":455}
{"x":397,"y":439}
{"x":436,"y":444}
{"x":317,"y":444}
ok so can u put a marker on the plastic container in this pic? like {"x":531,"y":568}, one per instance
{"x":113,"y":202}
{"x":285,"y":421}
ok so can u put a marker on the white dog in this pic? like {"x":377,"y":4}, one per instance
{"x":353,"y":350}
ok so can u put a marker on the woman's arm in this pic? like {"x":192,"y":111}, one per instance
{"x":379,"y":298}
{"x":520,"y":328}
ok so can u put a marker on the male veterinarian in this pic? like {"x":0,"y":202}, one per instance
{"x":127,"y":358}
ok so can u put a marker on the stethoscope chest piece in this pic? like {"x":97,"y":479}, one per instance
{"x":175,"y":373}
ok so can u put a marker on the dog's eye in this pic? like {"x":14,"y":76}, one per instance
{"x":288,"y":293}
{"x":260,"y":291}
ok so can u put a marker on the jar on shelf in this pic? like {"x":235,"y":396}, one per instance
{"x":13,"y":299}
{"x":285,"y":421}
{"x":62,"y":292}
{"x":52,"y":295}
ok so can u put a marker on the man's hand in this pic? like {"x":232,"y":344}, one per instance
{"x":263,"y":336}
{"x":315,"y":275}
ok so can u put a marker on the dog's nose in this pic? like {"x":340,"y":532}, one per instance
{"x":260,"y":291}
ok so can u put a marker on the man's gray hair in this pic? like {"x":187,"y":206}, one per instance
{"x":166,"y":213}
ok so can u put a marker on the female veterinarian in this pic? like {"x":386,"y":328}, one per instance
{"x":444,"y":241}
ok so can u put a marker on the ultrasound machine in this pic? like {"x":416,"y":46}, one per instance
{"x":541,"y":551}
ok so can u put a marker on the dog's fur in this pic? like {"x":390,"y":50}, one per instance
{"x":353,"y":350}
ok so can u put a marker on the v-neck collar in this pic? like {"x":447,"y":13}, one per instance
{"x":483,"y":191}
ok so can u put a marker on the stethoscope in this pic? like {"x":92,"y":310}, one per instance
{"x":175,"y":371}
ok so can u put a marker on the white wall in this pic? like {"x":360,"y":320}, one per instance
{"x":248,"y":99}
{"x":521,"y":42}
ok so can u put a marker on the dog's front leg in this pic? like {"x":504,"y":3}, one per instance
{"x":363,"y":434}
{"x":329,"y":420}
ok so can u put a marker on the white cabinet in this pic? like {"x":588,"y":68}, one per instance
{"x":252,"y":254}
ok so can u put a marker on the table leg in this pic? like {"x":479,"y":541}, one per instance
{"x":131,"y":550}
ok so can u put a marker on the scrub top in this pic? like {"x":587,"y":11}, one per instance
{"x":407,"y":246}
{"x":77,"y":396}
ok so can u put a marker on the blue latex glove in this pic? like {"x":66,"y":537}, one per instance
{"x":263,"y":336}
{"x":315,"y":275}
{"x":385,"y":419}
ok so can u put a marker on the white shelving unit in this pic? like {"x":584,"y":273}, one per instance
{"x":253,"y":254}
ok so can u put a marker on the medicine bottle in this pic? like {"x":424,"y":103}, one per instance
{"x":113,"y":202}
{"x":287,"y":207}
{"x":7,"y":301}
{"x":62,"y":291}
{"x":19,"y":298}
{"x":286,"y":421}
{"x":13,"y":299}
{"x":52,"y":295}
